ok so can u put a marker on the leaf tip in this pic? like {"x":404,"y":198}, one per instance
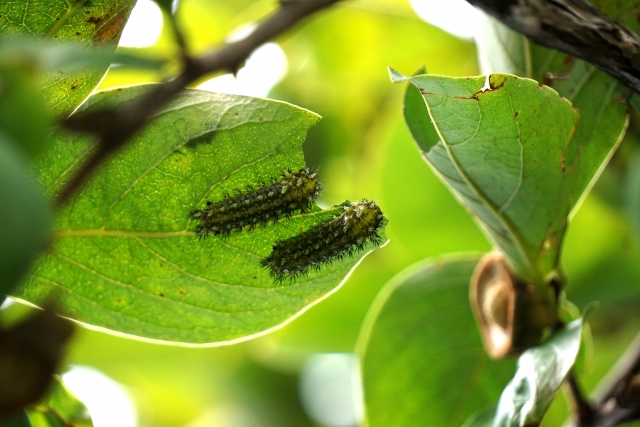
{"x":396,"y":76}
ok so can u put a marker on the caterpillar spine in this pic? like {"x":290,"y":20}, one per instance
{"x":258,"y":207}
{"x":343,"y":235}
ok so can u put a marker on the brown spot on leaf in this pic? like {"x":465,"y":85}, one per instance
{"x":112,"y":29}
{"x":95,"y":20}
{"x":516,"y":114}
{"x":161,"y":294}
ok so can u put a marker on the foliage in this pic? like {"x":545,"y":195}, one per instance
{"x":520,"y":150}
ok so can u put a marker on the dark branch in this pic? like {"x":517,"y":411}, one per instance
{"x":582,"y":408}
{"x":114,"y":127}
{"x":618,"y":400}
{"x":574,"y":27}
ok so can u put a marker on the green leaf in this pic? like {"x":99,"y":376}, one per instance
{"x":541,"y":371}
{"x":126,"y":258}
{"x":632,"y":190}
{"x":20,"y":420}
{"x":59,"y":408}
{"x":24,"y":116}
{"x":504,"y":151}
{"x":483,"y":418}
{"x":423,"y":363}
{"x":25,"y":217}
{"x":30,"y":55}
{"x":87,"y":23}
{"x":502,"y":50}
{"x":596,"y":95}
{"x":507,"y":149}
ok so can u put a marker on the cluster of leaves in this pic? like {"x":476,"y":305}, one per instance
{"x":520,"y":157}
{"x":121,"y":254}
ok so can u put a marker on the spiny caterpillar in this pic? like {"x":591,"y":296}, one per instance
{"x":258,"y":206}
{"x":331,"y":240}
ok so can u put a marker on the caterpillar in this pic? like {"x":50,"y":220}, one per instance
{"x":258,"y":206}
{"x":331,"y":240}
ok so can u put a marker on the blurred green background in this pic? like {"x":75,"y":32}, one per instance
{"x":336,"y":66}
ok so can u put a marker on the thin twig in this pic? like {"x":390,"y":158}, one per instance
{"x":575,"y":27}
{"x":626,"y":366}
{"x":114,"y":127}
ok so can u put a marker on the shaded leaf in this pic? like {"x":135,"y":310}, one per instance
{"x":502,"y":50}
{"x":126,"y":258}
{"x":541,"y":371}
{"x":59,"y":408}
{"x":25,"y":217}
{"x":19,"y":420}
{"x":24,"y":116}
{"x":87,"y":23}
{"x":423,"y":363}
{"x":29,"y":55}
{"x":483,"y":418}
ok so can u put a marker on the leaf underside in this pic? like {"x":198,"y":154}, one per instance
{"x":126,"y":258}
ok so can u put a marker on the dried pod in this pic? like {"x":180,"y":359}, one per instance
{"x":511,"y":314}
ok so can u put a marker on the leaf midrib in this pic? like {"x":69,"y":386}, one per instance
{"x":481,"y":196}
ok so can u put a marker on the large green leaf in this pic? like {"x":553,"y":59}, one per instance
{"x":505,"y":150}
{"x":508,"y":149}
{"x":423,"y":363}
{"x":59,"y":408}
{"x":541,"y":371}
{"x":125,"y":256}
{"x":595,"y":94}
{"x":88,"y":23}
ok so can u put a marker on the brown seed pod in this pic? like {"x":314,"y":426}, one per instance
{"x":511,"y":315}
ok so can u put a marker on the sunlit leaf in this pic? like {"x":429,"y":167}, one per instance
{"x":595,"y":94}
{"x":59,"y":408}
{"x":87,"y":23}
{"x":423,"y":363}
{"x":508,"y":150}
{"x":126,"y":257}
{"x":541,"y":371}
